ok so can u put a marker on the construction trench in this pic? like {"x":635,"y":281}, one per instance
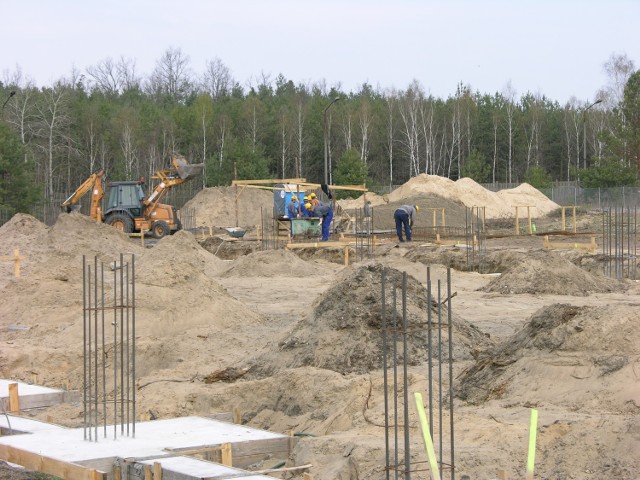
{"x":114,"y":426}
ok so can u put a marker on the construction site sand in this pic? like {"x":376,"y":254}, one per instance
{"x":190,"y":326}
{"x":466,"y":191}
{"x":218,"y":206}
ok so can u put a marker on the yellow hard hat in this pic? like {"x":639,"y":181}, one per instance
{"x":294,"y":198}
{"x":308,"y":206}
{"x":417,"y":208}
{"x":312,"y":196}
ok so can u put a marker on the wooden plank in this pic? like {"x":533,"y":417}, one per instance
{"x":14,"y":399}
{"x":318,"y":245}
{"x":50,"y":466}
{"x":157,"y":471}
{"x":268,"y":181}
{"x":592,"y":247}
{"x":148,"y":472}
{"x":227,"y":455}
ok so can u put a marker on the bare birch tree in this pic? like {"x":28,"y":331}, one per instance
{"x":171,"y":76}
{"x":53,"y":117}
{"x":216,"y":80}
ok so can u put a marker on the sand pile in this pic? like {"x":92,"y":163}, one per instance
{"x":564,"y":351}
{"x":470,"y":193}
{"x":352,"y":204}
{"x":177,"y":299}
{"x":216,"y":206}
{"x":343,"y":332}
{"x":543,"y":272}
{"x":272,"y":263}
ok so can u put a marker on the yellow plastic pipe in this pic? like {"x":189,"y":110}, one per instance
{"x":533,"y":428}
{"x":428,"y":442}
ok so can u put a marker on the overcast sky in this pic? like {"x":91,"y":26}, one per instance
{"x":553,"y":47}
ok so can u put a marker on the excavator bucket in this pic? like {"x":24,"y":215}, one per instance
{"x":186,"y":170}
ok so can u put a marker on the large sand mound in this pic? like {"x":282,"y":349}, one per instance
{"x":343,"y":332}
{"x":217,"y":206}
{"x":471,"y":194}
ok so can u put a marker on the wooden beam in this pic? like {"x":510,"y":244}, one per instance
{"x":50,"y":466}
{"x":227,"y":455}
{"x":269,"y":181}
{"x":157,"y":471}
{"x":15,"y":258}
{"x":317,"y":245}
{"x":14,"y":399}
{"x":591,"y":247}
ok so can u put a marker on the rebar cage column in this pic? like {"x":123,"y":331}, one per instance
{"x":102,"y":344}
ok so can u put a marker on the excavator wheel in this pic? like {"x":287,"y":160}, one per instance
{"x":159,"y":229}
{"x":120,"y":221}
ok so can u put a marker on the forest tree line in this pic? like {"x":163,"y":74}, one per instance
{"x":109,"y":117}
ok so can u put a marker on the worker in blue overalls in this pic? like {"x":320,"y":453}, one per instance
{"x":404,"y":217}
{"x":292,"y":207}
{"x":325,"y":213}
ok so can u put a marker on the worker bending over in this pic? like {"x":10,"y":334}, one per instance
{"x":325,"y":213}
{"x":404,"y":217}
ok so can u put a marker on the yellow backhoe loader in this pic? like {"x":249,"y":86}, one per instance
{"x":127,"y":208}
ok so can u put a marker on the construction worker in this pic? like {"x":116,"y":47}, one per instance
{"x":325,"y":214}
{"x":292,"y":207}
{"x":313,"y":200}
{"x":303,"y":208}
{"x":404,"y":217}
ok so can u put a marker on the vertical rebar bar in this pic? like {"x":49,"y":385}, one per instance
{"x":95,"y":332}
{"x":395,"y":378}
{"x":122,"y":328}
{"x":84,"y":344}
{"x":133,"y":339}
{"x":384,"y":373}
{"x":89,"y":352}
{"x":430,"y":349}
{"x":104,"y":354}
{"x":115,"y":350}
{"x":407,"y":444}
{"x":440,"y":370}
{"x":450,"y":331}
{"x":128,"y":346}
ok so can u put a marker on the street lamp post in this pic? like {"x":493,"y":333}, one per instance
{"x":325,"y":134}
{"x":584,"y":132}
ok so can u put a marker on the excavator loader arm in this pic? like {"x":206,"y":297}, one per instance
{"x":181,"y":172}
{"x":94,"y":184}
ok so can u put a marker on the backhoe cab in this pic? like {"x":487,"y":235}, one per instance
{"x":127,"y":208}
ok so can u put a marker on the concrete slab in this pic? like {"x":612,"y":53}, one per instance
{"x":153,"y":439}
{"x":31,"y":396}
{"x":20,"y":425}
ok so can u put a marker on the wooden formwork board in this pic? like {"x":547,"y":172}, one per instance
{"x":50,"y":466}
{"x":591,"y":247}
{"x":244,"y":453}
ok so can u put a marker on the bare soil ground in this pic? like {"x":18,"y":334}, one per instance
{"x":540,"y":329}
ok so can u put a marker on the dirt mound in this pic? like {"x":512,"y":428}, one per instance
{"x":162,"y":259}
{"x":21,"y":225}
{"x":545,"y":272}
{"x":470,"y":193}
{"x":229,"y":249}
{"x":564,"y":351}
{"x":216,"y":206}
{"x":454,"y":211}
{"x":343,"y":332}
{"x":271,"y":263}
